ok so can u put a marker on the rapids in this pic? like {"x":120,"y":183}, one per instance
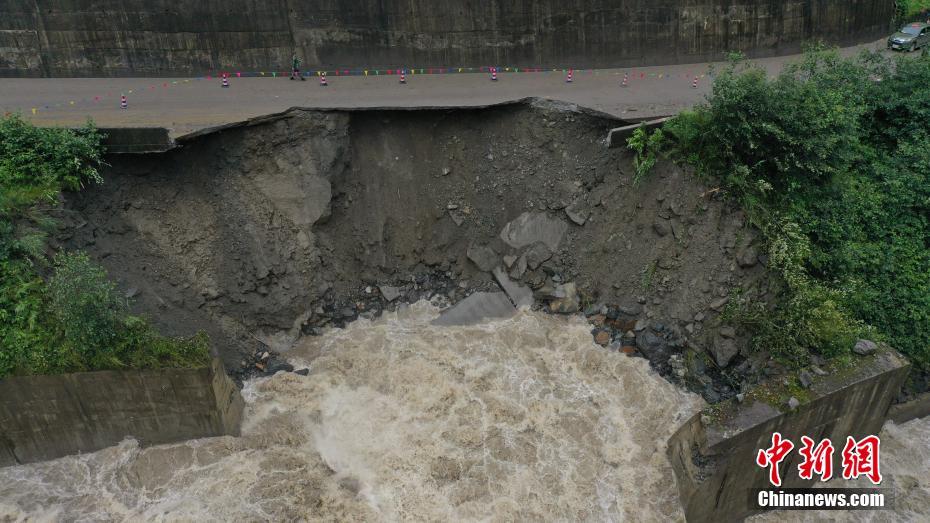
{"x":400,"y":420}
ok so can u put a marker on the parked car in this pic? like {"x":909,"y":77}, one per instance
{"x":911,"y":37}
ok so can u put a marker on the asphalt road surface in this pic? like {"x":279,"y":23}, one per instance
{"x":188,"y":104}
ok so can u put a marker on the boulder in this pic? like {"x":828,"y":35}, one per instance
{"x":723,"y":350}
{"x":483,"y":257}
{"x":532,"y":227}
{"x":520,"y":295}
{"x":476,"y":308}
{"x":865,"y":347}
{"x":538,"y":254}
{"x":390,"y":293}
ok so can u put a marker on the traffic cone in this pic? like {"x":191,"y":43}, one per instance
{"x":568,"y":79}
{"x":225,"y":81}
{"x":323,"y":80}
{"x":123,"y":104}
{"x":694,"y":84}
{"x":493,"y":74}
{"x":403,"y":76}
{"x":626,"y":80}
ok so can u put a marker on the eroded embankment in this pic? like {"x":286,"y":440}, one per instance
{"x":259,"y":233}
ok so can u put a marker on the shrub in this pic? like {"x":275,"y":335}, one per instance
{"x":77,"y":320}
{"x":832,"y":167}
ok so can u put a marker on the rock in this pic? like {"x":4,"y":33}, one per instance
{"x":538,"y":254}
{"x":865,"y":347}
{"x":602,"y":338}
{"x":532,"y":227}
{"x":818,"y":371}
{"x":446,"y":171}
{"x":509,"y":260}
{"x":347,"y":312}
{"x":718,"y":305}
{"x":477,"y":308}
{"x":279,"y":366}
{"x":457,"y":217}
{"x":519,"y":268}
{"x":806,"y":379}
{"x":390,"y":293}
{"x":740,"y":397}
{"x":132,"y":293}
{"x":723,"y":350}
{"x":793,"y":403}
{"x":728,"y":332}
{"x":482,"y":256}
{"x":565,"y":299}
{"x":748,"y":257}
{"x":640,"y":325}
{"x":577,"y":212}
{"x":661,"y":228}
{"x":653,"y":347}
{"x":302,"y":372}
{"x":520,"y":295}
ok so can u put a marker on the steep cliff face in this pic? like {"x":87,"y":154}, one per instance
{"x":135,"y":37}
{"x":260,"y":233}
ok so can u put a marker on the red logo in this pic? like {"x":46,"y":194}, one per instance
{"x":774,"y":455}
{"x":860,"y":458}
{"x":819,"y":459}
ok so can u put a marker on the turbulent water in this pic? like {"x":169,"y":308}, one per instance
{"x":399,"y":420}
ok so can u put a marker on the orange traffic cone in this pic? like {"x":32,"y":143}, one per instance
{"x":123,"y":104}
{"x":323,"y":80}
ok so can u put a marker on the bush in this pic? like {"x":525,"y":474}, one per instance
{"x":832,"y":167}
{"x":77,"y":320}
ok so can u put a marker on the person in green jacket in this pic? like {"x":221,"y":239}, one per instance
{"x":295,"y":68}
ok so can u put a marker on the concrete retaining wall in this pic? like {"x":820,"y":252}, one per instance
{"x":45,"y":417}
{"x":183,"y":37}
{"x":714,"y":463}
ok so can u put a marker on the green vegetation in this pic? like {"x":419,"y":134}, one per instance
{"x":830,"y":161}
{"x":908,"y":9}
{"x":64,"y":316}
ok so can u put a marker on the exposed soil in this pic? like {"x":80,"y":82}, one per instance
{"x":264,"y":232}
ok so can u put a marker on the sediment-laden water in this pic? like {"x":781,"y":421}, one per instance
{"x":399,"y":420}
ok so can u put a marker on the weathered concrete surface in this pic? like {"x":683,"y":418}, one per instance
{"x":123,"y":140}
{"x":715,"y":464}
{"x":134,"y":37}
{"x":617,"y":137}
{"x":918,"y":407}
{"x":45,"y":417}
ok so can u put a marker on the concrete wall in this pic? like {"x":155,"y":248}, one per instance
{"x":714,"y":462}
{"x":45,"y":417}
{"x":162,"y":37}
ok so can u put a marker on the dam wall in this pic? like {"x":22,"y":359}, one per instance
{"x":61,"y":38}
{"x":46,"y":417}
{"x":714,"y":457}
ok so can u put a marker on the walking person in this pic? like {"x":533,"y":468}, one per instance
{"x":295,"y":68}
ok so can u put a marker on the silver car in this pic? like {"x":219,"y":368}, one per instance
{"x":911,"y":37}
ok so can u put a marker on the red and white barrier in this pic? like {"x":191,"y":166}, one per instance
{"x":123,"y":104}
{"x":323,"y":79}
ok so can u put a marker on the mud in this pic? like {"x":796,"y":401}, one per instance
{"x":265,"y":232}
